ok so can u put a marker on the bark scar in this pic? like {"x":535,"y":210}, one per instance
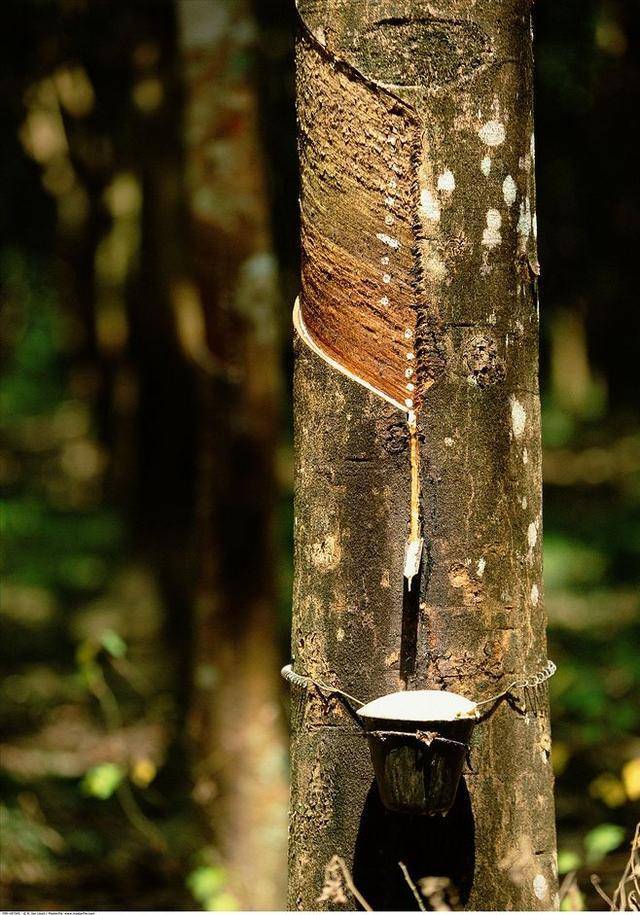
{"x":363,"y":306}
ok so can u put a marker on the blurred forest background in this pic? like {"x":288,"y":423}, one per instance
{"x":149,"y":262}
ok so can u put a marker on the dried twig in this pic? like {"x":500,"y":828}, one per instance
{"x":626,"y":897}
{"x":570,"y":892}
{"x":412,"y":886}
{"x":333,"y":890}
{"x":595,"y":883}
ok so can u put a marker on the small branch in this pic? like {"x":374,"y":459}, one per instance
{"x":568,"y":882}
{"x":595,"y":882}
{"x":137,"y":818}
{"x":625,"y":899}
{"x":412,"y":886}
{"x":351,"y":885}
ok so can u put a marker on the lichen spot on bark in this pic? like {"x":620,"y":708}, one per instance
{"x":540,"y":887}
{"x":434,"y":267}
{"x":535,"y":595}
{"x":485,"y":166}
{"x":429,"y":205}
{"x":327,"y":553}
{"x":525,"y":225}
{"x":492,"y":133}
{"x":509,"y":191}
{"x":470,"y":588}
{"x":491,"y":236}
{"x":518,"y":418}
{"x":446,"y":182}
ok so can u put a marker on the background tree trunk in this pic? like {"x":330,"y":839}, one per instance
{"x":228,"y":324}
{"x":479,"y":620}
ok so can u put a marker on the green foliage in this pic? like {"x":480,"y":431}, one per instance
{"x":28,"y":846}
{"x":208,"y":883}
{"x":601,"y":840}
{"x":113,"y":643}
{"x":571,"y":563}
{"x":31,"y":381}
{"x":568,"y":860}
{"x":102,"y":780}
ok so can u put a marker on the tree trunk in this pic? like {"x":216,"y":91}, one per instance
{"x":417,"y":203}
{"x":228,"y":324}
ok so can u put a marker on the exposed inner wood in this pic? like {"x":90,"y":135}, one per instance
{"x":360,"y":290}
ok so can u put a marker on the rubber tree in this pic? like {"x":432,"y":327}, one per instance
{"x":227,"y":315}
{"x":418,"y":307}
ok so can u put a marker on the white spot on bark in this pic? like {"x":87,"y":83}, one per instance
{"x":446,"y":181}
{"x":535,"y":595}
{"x":485,"y":166}
{"x":524,"y":223}
{"x":524,"y":502}
{"x":492,"y":133}
{"x":435,"y":266}
{"x":509,"y":191}
{"x":524,"y":163}
{"x":518,"y":417}
{"x":491,"y":236}
{"x":429,"y":205}
{"x":532,"y":535}
{"x":340,"y":634}
{"x":387,"y":240}
{"x":481,"y":566}
{"x":448,"y":441}
{"x":525,"y":456}
{"x":540,"y":887}
{"x":326,"y":554}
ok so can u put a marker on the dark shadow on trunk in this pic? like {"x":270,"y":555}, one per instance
{"x":437,"y":846}
{"x":410,"y":624}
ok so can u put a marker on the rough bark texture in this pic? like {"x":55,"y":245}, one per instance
{"x":228,"y":324}
{"x":465,"y":70}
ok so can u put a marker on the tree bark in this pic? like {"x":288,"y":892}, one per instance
{"x":376,"y":79}
{"x":229,"y":326}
